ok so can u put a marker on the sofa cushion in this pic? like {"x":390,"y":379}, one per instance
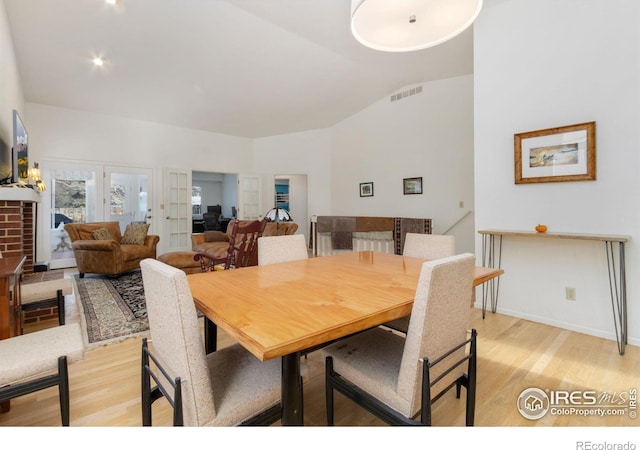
{"x":280,"y":228}
{"x":135,"y":233}
{"x":216,"y":236}
{"x":215,"y":249}
{"x":102,"y":234}
{"x":82,"y":231}
{"x":131,"y":252}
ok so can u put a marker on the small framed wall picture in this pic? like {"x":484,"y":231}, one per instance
{"x":412,"y":185}
{"x":366,"y":189}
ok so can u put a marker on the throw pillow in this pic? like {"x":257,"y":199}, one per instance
{"x":135,"y":233}
{"x":102,"y":234}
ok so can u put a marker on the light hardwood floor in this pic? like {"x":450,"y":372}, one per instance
{"x":514,"y":354}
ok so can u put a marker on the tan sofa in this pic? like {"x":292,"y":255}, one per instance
{"x":216,"y":243}
{"x":108,"y":257}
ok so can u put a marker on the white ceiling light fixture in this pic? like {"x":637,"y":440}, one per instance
{"x":98,"y":61}
{"x":112,"y":2}
{"x":408,"y":25}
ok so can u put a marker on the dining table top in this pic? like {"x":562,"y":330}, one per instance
{"x":279,"y":309}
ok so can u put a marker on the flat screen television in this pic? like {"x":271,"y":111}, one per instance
{"x":20,"y":159}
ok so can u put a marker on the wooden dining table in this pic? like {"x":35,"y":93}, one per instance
{"x":281,"y":310}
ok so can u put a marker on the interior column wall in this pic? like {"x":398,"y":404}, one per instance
{"x":563,"y":65}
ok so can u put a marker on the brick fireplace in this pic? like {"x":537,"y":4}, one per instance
{"x":18,"y":210}
{"x":17,"y":223}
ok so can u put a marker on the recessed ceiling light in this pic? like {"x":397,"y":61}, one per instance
{"x":112,"y":2}
{"x":98,"y":61}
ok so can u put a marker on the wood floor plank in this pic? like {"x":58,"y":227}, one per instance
{"x":514,"y":354}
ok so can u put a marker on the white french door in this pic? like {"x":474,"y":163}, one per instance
{"x":128,"y":195}
{"x":250,"y":197}
{"x":80,"y":192}
{"x":177,"y":210}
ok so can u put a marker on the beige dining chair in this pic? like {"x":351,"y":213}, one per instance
{"x":277,"y":249}
{"x":397,"y":378}
{"x":423,"y":246}
{"x":224,"y":388}
{"x":429,"y":246}
{"x":39,"y":360}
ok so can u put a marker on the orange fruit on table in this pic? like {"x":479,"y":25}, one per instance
{"x":541,"y":228}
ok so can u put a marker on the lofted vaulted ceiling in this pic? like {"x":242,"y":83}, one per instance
{"x":248,"y":68}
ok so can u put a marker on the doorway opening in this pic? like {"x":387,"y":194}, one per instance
{"x":290,"y":193}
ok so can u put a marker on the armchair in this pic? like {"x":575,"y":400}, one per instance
{"x":216,"y":243}
{"x":241,"y":247}
{"x":109,"y":253}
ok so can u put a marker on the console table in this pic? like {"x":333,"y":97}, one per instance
{"x":617,"y":274}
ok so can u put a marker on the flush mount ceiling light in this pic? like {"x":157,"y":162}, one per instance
{"x":98,"y":61}
{"x":407,"y":25}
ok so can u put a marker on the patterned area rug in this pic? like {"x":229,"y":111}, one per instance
{"x":111,"y":308}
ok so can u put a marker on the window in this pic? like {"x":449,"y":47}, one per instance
{"x":196,"y":199}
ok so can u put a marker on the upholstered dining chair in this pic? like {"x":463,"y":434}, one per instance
{"x":39,"y":360}
{"x":424,"y":246}
{"x":397,"y":378}
{"x":227,"y":387}
{"x":429,"y":246}
{"x":243,"y":243}
{"x":277,"y":249}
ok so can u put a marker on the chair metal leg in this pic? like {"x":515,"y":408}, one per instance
{"x":63,"y":388}
{"x":329,"y":390}
{"x":210,"y":335}
{"x":471,"y":380}
{"x":425,"y":414}
{"x":150,"y":395}
{"x":146,"y":387}
{"x":60,"y":379}
{"x":61,"y":312}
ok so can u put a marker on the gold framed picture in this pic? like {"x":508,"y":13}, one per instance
{"x":556,"y":154}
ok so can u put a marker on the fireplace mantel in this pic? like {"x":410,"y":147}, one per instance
{"x":19,"y":194}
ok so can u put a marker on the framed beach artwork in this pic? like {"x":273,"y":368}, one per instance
{"x":366,"y":189}
{"x":412,"y":185}
{"x":556,"y":154}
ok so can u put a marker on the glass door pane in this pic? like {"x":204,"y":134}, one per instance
{"x":178,"y":206}
{"x":73,"y":200}
{"x":128,"y":198}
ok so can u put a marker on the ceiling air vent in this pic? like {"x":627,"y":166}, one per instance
{"x":407,"y":93}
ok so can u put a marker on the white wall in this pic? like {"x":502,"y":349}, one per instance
{"x":11,"y":96}
{"x":294,"y":154}
{"x":546,"y":64}
{"x":61,"y":134}
{"x":428,"y":135}
{"x":229,"y":193}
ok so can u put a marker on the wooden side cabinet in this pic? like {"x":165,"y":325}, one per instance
{"x":10,"y":317}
